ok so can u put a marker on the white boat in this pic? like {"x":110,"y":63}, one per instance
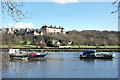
{"x":22,"y":55}
{"x":17,"y":54}
{"x":103,"y":54}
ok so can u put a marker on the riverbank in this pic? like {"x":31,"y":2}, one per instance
{"x":75,"y":50}
{"x":72,"y":46}
{"x":56,"y":49}
{"x":66,"y":49}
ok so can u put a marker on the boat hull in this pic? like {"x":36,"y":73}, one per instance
{"x":18,"y":56}
{"x":26,"y":57}
{"x":96,"y":57}
{"x":37,"y":57}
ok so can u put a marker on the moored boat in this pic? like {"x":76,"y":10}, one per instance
{"x":92,"y":54}
{"x":22,"y":55}
{"x":36,"y":56}
{"x":17,"y":54}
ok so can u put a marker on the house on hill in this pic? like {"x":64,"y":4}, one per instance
{"x":35,"y":33}
{"x":56,"y":43}
{"x":27,"y":30}
{"x":53,"y":29}
{"x":10,"y":30}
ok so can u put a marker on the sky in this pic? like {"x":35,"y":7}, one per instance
{"x":71,"y":15}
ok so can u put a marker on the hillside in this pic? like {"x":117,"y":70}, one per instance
{"x":86,"y":37}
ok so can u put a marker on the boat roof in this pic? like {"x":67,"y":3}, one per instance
{"x":89,"y":51}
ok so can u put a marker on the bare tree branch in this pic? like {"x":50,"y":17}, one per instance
{"x":118,"y":6}
{"x":115,"y":2}
{"x":13,"y":9}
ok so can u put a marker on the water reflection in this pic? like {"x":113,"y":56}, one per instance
{"x":56,"y":59}
{"x":64,"y":65}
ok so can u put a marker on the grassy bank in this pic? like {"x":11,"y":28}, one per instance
{"x":69,"y":50}
{"x":75,"y":50}
{"x":72,"y":49}
{"x":34,"y":46}
{"x":95,"y":46}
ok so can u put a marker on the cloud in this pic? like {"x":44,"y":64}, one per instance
{"x":8,"y":25}
{"x":65,"y":1}
{"x":23,"y":25}
{"x":19,"y":25}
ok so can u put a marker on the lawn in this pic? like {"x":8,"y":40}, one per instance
{"x":20,"y":46}
{"x":95,"y":46}
{"x":28,"y":42}
{"x":33,"y":46}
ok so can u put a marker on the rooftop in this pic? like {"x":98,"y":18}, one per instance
{"x":45,"y":26}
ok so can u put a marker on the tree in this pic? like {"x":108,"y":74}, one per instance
{"x":13,"y":9}
{"x":25,"y":42}
{"x":16,"y":32}
{"x":27,"y":37}
{"x":42,"y":44}
{"x":118,"y":6}
{"x":50,"y":43}
{"x":64,"y":43}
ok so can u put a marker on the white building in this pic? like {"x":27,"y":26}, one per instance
{"x":10,"y":30}
{"x":51,"y":29}
{"x":35,"y":33}
{"x":56,"y":43}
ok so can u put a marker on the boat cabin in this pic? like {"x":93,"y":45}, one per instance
{"x":14,"y":51}
{"x":89,"y":53}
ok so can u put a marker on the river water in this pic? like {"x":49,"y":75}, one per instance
{"x":63,"y":65}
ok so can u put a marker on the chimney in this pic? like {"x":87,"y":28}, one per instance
{"x":45,"y":24}
{"x":60,"y":27}
{"x":50,"y":25}
{"x":11,"y":29}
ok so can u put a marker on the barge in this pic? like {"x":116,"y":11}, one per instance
{"x":92,"y":54}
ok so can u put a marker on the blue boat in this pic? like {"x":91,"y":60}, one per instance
{"x":92,"y":54}
{"x":88,"y":52}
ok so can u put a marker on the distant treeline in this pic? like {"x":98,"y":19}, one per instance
{"x":86,"y":37}
{"x":95,"y":38}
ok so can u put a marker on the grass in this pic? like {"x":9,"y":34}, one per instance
{"x":33,"y":46}
{"x":28,"y":42}
{"x":49,"y":49}
{"x":20,"y":46}
{"x":95,"y":46}
{"x":75,"y":50}
{"x":22,"y":41}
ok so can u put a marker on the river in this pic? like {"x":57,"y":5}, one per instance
{"x":63,"y":65}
